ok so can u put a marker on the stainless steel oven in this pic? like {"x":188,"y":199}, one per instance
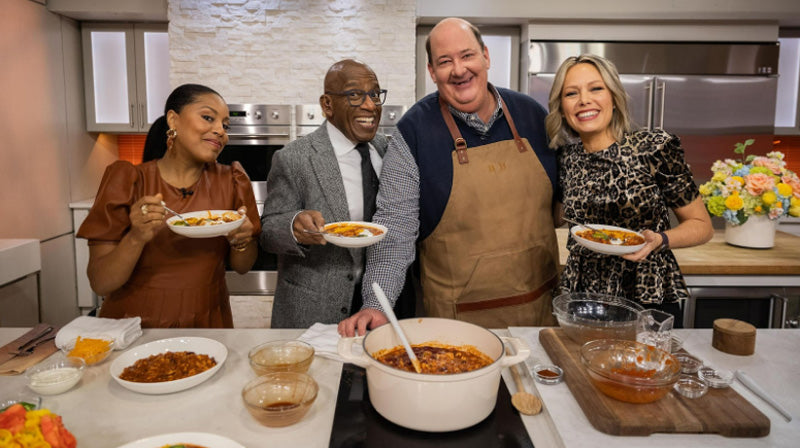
{"x":256,"y":132}
{"x":309,"y":116}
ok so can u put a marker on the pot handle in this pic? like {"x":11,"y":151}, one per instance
{"x":520,"y":348}
{"x":345,"y":349}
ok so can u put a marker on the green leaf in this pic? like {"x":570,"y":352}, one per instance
{"x":749,"y":142}
{"x":750,"y":158}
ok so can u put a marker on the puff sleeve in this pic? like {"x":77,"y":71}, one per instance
{"x":108,"y":220}
{"x":672,"y":174}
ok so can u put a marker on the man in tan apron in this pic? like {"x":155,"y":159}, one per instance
{"x":475,"y":191}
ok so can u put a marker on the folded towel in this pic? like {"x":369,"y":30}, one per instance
{"x":124,"y":331}
{"x":325,"y":338}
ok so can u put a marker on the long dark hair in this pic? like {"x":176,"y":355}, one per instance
{"x":155,"y":145}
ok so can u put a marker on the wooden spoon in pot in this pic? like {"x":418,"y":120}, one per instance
{"x":526,"y":403}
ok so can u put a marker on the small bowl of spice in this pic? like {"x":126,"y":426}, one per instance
{"x":548,"y":373}
{"x":92,"y":349}
{"x":56,"y":376}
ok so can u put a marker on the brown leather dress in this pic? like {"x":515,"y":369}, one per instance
{"x":178,"y":281}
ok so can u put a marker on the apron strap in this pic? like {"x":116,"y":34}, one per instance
{"x":517,"y":140}
{"x":460,"y":143}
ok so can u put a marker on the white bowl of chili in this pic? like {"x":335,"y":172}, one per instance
{"x":195,"y":345}
{"x":631,"y":241}
{"x":426,"y":401}
{"x":353,"y":233}
{"x":206,"y":223}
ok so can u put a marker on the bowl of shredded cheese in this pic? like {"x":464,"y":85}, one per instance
{"x":92,"y":349}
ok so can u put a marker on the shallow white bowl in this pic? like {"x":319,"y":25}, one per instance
{"x":609,"y":249}
{"x":206,"y":231}
{"x":198,"y":438}
{"x":354,"y":241}
{"x":201,"y":346}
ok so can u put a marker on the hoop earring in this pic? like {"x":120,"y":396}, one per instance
{"x":172,"y":133}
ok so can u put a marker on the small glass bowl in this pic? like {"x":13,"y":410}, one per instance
{"x":280,"y":398}
{"x":689,"y":363}
{"x":56,"y":376}
{"x":281,"y":356}
{"x":690,"y":387}
{"x":716,"y":378}
{"x":26,"y":398}
{"x":548,"y":373}
{"x":93,"y":357}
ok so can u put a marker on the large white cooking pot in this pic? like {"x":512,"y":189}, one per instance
{"x":427,"y":402}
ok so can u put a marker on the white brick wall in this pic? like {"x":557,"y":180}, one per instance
{"x":277,"y":51}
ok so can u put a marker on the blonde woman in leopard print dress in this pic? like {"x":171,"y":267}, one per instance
{"x":611,"y":173}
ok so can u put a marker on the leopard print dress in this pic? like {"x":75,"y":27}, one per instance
{"x":631,"y":184}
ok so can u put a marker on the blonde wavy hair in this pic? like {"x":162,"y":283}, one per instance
{"x":559,"y":132}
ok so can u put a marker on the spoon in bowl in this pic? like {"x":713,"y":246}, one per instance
{"x":163,"y":204}
{"x":387,"y":309}
{"x":612,"y":240}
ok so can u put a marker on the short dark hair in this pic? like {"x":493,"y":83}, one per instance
{"x":475,"y":31}
{"x":155,"y":145}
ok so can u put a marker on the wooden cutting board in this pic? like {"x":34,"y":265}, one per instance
{"x":721,"y":411}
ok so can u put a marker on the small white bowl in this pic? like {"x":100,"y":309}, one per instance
{"x":55,"y":376}
{"x":355,"y":241}
{"x":608,"y":249}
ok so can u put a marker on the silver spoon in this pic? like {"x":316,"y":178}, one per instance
{"x":615,"y":241}
{"x":172,"y":211}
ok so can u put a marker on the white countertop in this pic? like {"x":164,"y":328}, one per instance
{"x":101,"y":413}
{"x":85,"y":204}
{"x":19,"y":258}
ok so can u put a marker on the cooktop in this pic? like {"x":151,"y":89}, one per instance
{"x":356,"y":424}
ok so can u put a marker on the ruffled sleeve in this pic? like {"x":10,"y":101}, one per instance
{"x":245,"y":196}
{"x":109,"y":219}
{"x":671,"y":172}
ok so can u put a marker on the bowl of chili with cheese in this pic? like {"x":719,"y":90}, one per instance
{"x":450,"y":393}
{"x":353,"y":233}
{"x":206,"y":223}
{"x":600,"y":241}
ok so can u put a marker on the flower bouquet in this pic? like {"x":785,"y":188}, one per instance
{"x":21,"y":427}
{"x":751,"y":186}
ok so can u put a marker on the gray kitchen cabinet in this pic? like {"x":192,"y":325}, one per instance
{"x":126,"y":75}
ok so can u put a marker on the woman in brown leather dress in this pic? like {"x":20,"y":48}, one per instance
{"x":140,"y":266}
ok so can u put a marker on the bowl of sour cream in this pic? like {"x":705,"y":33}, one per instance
{"x":55,"y":376}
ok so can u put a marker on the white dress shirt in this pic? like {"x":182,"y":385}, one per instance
{"x":350,"y":166}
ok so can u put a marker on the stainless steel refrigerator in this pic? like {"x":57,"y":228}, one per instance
{"x":711,"y":95}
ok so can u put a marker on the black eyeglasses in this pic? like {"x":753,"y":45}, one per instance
{"x":357,"y":97}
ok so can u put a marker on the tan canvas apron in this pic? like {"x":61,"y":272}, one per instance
{"x":492,"y":258}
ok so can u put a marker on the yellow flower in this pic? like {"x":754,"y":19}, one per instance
{"x":794,"y":202}
{"x":784,"y":189}
{"x":719,"y":176}
{"x":705,"y":189}
{"x":734,"y":202}
{"x":794,"y":210}
{"x":739,"y":179}
{"x":769,"y":197}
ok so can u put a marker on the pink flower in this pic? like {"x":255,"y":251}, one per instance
{"x":794,"y":182}
{"x":756,"y":184}
{"x":767,"y":163}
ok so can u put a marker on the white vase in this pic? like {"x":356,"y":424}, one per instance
{"x":757,"y":233}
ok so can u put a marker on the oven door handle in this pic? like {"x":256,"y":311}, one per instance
{"x":254,"y":136}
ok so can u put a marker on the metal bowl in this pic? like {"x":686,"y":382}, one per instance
{"x":630,"y":371}
{"x":586,"y":317}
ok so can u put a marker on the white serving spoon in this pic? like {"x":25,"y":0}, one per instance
{"x":615,"y":241}
{"x":387,"y":309}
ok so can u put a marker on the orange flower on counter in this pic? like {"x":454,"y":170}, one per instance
{"x":40,"y":428}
